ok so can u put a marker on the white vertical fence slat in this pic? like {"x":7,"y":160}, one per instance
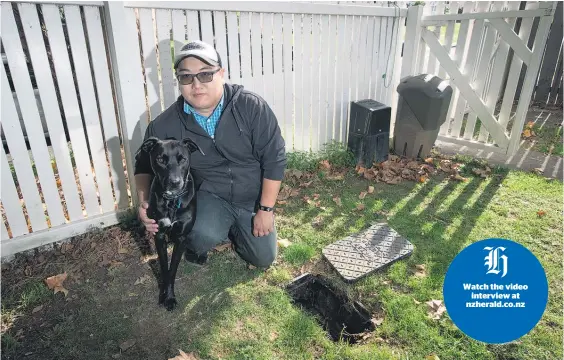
{"x":221,"y":39}
{"x":109,"y":121}
{"x":323,"y":93}
{"x":150,"y":62}
{"x":449,"y":35}
{"x":32,"y":122}
{"x":207,"y":28}
{"x":433,"y":63}
{"x":331,"y":78}
{"x":267,"y":53}
{"x":306,"y":83}
{"x":164,"y":27}
{"x":53,"y":120}
{"x":390,"y":65}
{"x":193,"y":25}
{"x":370,"y":69}
{"x":300,"y":137}
{"x":10,"y":198}
{"x":340,"y":66}
{"x":480,"y":84}
{"x":362,"y":55}
{"x":71,"y":108}
{"x":382,"y":60}
{"x":288,"y":84}
{"x":375,"y":76}
{"x":354,"y":57}
{"x":179,"y":39}
{"x":20,"y":156}
{"x":396,"y":74}
{"x":459,"y":52}
{"x":256,"y":51}
{"x":233,"y":39}
{"x":347,"y":56}
{"x":498,"y":69}
{"x":245,"y":39}
{"x":469,"y":72}
{"x":89,"y":108}
{"x":279,"y":89}
{"x":315,"y":65}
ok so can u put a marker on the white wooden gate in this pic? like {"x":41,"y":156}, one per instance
{"x":480,"y":116}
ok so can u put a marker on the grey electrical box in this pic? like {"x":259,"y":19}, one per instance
{"x":422,"y":108}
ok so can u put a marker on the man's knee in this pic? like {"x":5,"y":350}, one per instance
{"x":202,"y":239}
{"x":265,"y":260}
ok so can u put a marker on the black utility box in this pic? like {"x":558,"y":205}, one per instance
{"x":369,"y":131}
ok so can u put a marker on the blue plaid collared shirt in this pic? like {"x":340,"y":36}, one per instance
{"x":207,"y":123}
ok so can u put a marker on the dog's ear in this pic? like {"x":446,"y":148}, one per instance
{"x":192,"y":145}
{"x":147,"y":146}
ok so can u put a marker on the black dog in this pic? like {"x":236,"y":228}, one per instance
{"x":172,"y":204}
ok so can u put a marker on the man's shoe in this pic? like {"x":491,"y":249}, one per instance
{"x":192,"y":257}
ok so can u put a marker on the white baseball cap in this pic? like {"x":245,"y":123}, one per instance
{"x":198,"y":49}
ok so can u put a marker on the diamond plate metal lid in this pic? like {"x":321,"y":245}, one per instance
{"x":361,"y":254}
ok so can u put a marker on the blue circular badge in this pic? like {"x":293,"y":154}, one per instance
{"x":495,"y":291}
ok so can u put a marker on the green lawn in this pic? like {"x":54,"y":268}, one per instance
{"x":228,"y":312}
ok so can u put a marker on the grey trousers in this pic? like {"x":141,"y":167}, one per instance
{"x":216,"y":219}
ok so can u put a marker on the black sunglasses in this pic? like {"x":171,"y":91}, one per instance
{"x":203,"y":77}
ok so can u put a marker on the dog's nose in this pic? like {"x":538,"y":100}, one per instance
{"x":176,"y":180}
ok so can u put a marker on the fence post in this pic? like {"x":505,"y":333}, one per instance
{"x":121,"y":30}
{"x":531,"y":76}
{"x":412,"y":39}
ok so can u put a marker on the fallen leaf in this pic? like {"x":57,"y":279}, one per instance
{"x":114,"y":264}
{"x":371,"y":189}
{"x":458,"y":177}
{"x":530,"y":124}
{"x":27,"y":271}
{"x":362,"y":195}
{"x":122,"y":251}
{"x":541,"y":213}
{"x":337,"y":201}
{"x":223,"y":247}
{"x":377,"y":321}
{"x":36,"y":309}
{"x":56,"y":283}
{"x":184,"y":356}
{"x":394,"y":158}
{"x":360,"y":207}
{"x":337,"y":177}
{"x":325,"y":164}
{"x":251,"y":267}
{"x":132,"y":294}
{"x":273,"y":335}
{"x":435,"y":309}
{"x":432,"y":357}
{"x":360,"y":170}
{"x":284,"y":242}
{"x":394,"y":181}
{"x":306,"y":184}
{"x":429,"y":160}
{"x":527,"y":133}
{"x":294,"y":192}
{"x":315,"y":196}
{"x":124,"y":346}
{"x":422,"y":178}
{"x":480,"y":172}
{"x":142,"y":279}
{"x":416,"y":302}
{"x":538,"y":171}
{"x":420,"y":270}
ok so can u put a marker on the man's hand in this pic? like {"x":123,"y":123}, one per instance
{"x":150,"y":224}
{"x":264,"y":223}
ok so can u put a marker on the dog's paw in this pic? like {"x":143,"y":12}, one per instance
{"x":170,"y":303}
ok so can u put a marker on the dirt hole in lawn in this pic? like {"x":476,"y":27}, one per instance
{"x":338,"y":315}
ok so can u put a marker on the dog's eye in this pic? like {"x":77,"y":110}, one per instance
{"x":181,"y":159}
{"x":160,"y":160}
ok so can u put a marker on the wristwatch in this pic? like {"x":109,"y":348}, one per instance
{"x":265,"y":208}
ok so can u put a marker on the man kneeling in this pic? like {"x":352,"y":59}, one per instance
{"x":238,"y":176}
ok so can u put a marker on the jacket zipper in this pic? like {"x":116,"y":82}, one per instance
{"x":229,"y":169}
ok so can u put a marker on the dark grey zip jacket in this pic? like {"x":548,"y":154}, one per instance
{"x":248,"y":146}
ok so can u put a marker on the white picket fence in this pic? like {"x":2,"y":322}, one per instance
{"x":104,"y":70}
